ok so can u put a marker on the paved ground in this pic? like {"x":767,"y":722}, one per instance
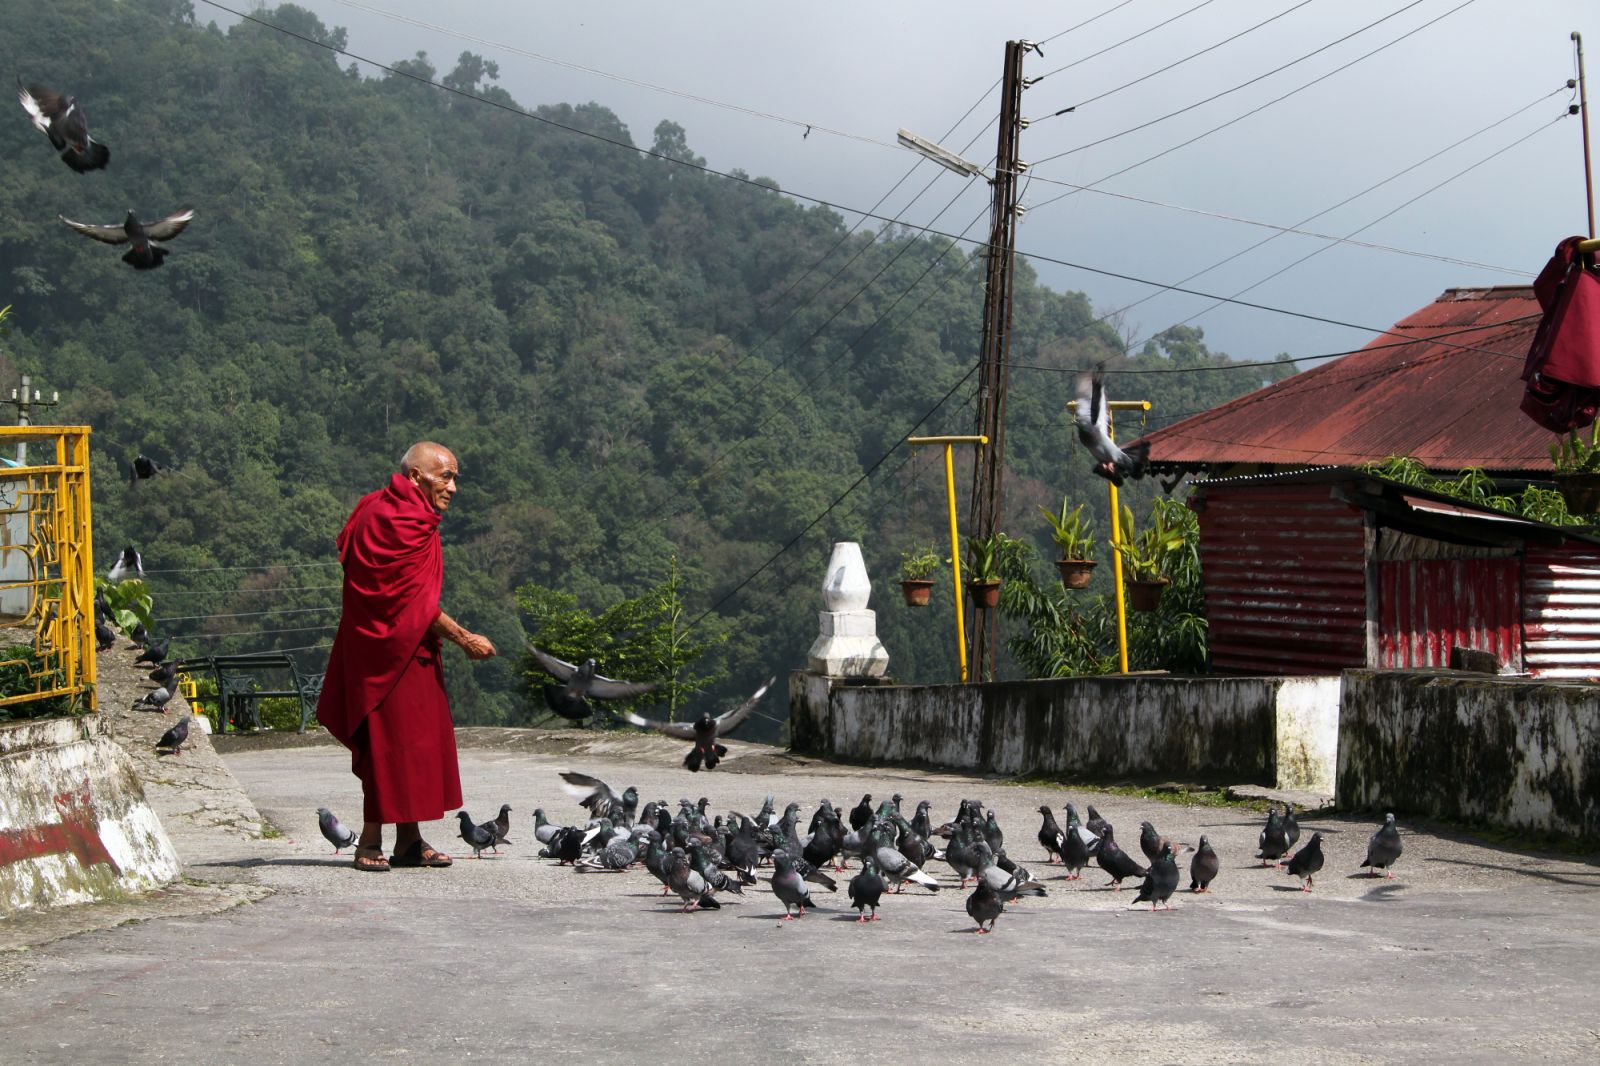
{"x":1471,"y":954}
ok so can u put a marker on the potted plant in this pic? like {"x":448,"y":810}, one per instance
{"x":1074,"y":537}
{"x":917,"y":568}
{"x":1577,"y":464}
{"x":1145,"y":554}
{"x":983,"y":570}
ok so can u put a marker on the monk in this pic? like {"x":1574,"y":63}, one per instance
{"x":383,"y":696}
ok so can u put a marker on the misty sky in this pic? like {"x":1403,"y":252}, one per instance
{"x":866,"y":69}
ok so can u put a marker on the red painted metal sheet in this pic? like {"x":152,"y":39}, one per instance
{"x":1561,"y":611}
{"x":1284,"y":577}
{"x":1448,"y":398}
{"x":1427,"y":607}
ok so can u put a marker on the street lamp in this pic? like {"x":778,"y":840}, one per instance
{"x":941,"y":155}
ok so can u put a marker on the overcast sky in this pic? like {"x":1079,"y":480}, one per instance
{"x":866,"y":69}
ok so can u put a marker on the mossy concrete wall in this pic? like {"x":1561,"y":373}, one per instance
{"x":1092,"y":727}
{"x":1520,"y":754}
{"x":74,"y":824}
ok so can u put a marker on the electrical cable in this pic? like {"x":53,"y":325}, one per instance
{"x":1085,"y":22}
{"x":248,"y":614}
{"x":1118,"y":44}
{"x":1275,"y":70}
{"x":1175,"y":63}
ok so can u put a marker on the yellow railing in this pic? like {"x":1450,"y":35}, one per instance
{"x":46,"y":565}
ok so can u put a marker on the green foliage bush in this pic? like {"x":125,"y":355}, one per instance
{"x":22,"y":672}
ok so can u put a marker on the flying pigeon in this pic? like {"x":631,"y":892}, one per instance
{"x":476,"y":836}
{"x":1116,"y":862}
{"x":1203,"y":867}
{"x":129,"y":564}
{"x":61,"y":119}
{"x":142,"y":468}
{"x":1161,"y":880}
{"x":1384,"y":848}
{"x":789,"y":886}
{"x":705,"y":730}
{"x":599,"y":798}
{"x":154,"y":653}
{"x":1274,"y":839}
{"x":1305,"y":863}
{"x":1092,"y":415}
{"x":569,"y":698}
{"x":866,"y":889}
{"x":143,"y":255}
{"x":334,"y":831}
{"x":174,"y":738}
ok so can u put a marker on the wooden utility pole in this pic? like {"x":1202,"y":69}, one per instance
{"x":23,"y":404}
{"x":988,"y":471}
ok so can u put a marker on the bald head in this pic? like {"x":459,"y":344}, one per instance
{"x":433,"y":470}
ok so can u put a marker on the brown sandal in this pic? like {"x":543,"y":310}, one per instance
{"x":420,"y":853}
{"x":369,"y":863}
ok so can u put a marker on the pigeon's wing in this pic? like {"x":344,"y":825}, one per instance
{"x":1099,"y":406}
{"x":165,"y":229}
{"x":727,"y":723}
{"x":608,"y":689}
{"x":591,"y":792}
{"x":1083,"y":413}
{"x":681,"y":730}
{"x":40,"y":103}
{"x":561,"y":671}
{"x":108,"y":234}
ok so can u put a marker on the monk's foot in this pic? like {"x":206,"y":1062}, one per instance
{"x":371,"y":859}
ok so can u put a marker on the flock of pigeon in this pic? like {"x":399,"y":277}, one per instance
{"x":703,"y":859}
{"x":152,"y":651}
{"x":60,"y":117}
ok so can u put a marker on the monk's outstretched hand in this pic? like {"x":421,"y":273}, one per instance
{"x":477,"y":646}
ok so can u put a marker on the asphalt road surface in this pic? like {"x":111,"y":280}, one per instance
{"x":1472,"y":953}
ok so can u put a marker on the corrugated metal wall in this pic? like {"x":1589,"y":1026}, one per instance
{"x":1285,"y":581}
{"x":1561,"y":613}
{"x":1426,"y":607}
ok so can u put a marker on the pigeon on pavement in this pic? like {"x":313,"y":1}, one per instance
{"x":1050,"y":836}
{"x":1096,"y":824}
{"x":175,"y":737}
{"x":683,"y":879}
{"x":788,"y":885}
{"x":154,"y":653}
{"x":1161,"y":880}
{"x":477,"y":837}
{"x":104,"y":636}
{"x":986,"y":904}
{"x":334,"y":831}
{"x":497,"y":828}
{"x":1203,"y":867}
{"x":1151,"y":842}
{"x":1307,"y":861}
{"x":1384,"y":848}
{"x":59,"y":117}
{"x":1291,"y":825}
{"x":144,"y":255}
{"x":1092,"y":415}
{"x":570,"y":698}
{"x":1116,"y":862}
{"x":544,"y":830}
{"x":704,"y":731}
{"x":129,"y":564}
{"x":861,"y":813}
{"x":1274,"y":839}
{"x":866,"y":889}
{"x":154,"y":700}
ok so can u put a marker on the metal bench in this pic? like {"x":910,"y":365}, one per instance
{"x":243,"y":681}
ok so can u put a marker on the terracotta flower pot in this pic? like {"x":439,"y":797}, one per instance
{"x":1075,"y":573}
{"x":985,"y":594}
{"x":1146,"y":595}
{"x":916,"y":590}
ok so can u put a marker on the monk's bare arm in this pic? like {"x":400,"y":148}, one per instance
{"x":475,"y":645}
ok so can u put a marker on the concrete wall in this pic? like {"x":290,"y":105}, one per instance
{"x":74,"y":824}
{"x":1521,"y":754}
{"x":1194,"y":728}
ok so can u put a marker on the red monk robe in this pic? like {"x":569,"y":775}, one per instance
{"x":384,"y":696}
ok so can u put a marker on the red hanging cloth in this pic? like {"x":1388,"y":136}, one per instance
{"x":1563,"y":366}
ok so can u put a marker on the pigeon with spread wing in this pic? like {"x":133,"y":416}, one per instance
{"x":570,"y":698}
{"x":705,"y":730}
{"x":144,"y":255}
{"x":1092,"y":416}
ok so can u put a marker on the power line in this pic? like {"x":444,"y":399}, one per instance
{"x":1085,"y":22}
{"x":248,"y":614}
{"x":251,"y":633}
{"x":1275,"y":70}
{"x":264,"y":566}
{"x":1247,"y":114}
{"x":1177,"y":63}
{"x":274,"y":590}
{"x":1118,"y":44}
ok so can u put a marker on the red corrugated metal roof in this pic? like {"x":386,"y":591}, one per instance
{"x":1449,"y":399}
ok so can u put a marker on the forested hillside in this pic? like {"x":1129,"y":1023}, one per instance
{"x":632,"y":359}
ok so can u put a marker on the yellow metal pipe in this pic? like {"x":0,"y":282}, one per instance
{"x":1590,"y":245}
{"x":955,"y":536}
